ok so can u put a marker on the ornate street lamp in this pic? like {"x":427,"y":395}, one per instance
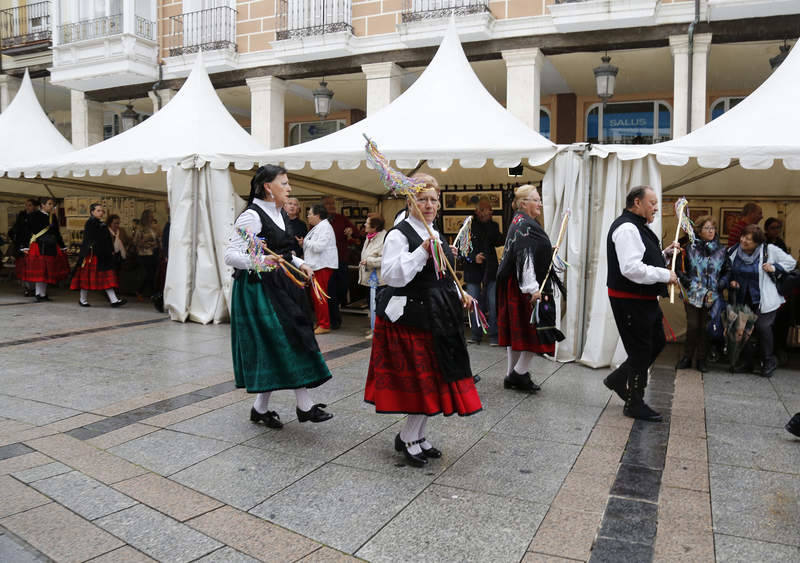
{"x":776,"y":61}
{"x":322,"y":99}
{"x":606,"y":77}
{"x":129,"y":117}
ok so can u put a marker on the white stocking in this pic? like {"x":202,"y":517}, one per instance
{"x":304,"y":402}
{"x":426,"y":445}
{"x":262,"y":402}
{"x":523,"y":364}
{"x":41,"y":289}
{"x":513,"y":357}
{"x":410,"y":433}
{"x":84,"y":296}
{"x":112,"y":295}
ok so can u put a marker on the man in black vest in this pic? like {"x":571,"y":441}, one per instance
{"x":637,"y":277}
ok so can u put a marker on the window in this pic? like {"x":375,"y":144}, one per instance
{"x":544,"y":123}
{"x":302,"y":132}
{"x":628,"y":123}
{"x":722,"y":105}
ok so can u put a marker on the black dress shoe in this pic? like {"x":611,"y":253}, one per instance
{"x":28,"y":293}
{"x":430,"y":453}
{"x":520,"y":382}
{"x":40,"y":298}
{"x":641,"y":411}
{"x":417,"y":460}
{"x":82,"y":304}
{"x":619,"y":388}
{"x":270,"y":418}
{"x":793,"y":426}
{"x":316,"y":414}
{"x":476,"y":378}
{"x":684,"y":363}
{"x":701,"y":366}
{"x":768,"y":368}
{"x":119,"y":303}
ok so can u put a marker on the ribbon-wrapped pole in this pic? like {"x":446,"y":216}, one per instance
{"x":681,"y":211}
{"x":561,"y":232}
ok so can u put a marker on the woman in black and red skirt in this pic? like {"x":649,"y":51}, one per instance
{"x":526,"y":258}
{"x":45,"y":259}
{"x":95,"y":269}
{"x":419,"y":364}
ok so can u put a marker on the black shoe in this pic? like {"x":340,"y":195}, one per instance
{"x":684,"y":363}
{"x":315,"y":414}
{"x":621,"y":389}
{"x":270,"y":418}
{"x":430,"y":453}
{"x":520,"y":382}
{"x":28,"y":292}
{"x":119,"y":303}
{"x":40,"y":298}
{"x":82,"y":304}
{"x":417,"y":460}
{"x":768,"y":368}
{"x":701,"y":366}
{"x":793,"y":426}
{"x":476,"y":378}
{"x":641,"y":411}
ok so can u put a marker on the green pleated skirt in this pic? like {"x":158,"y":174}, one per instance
{"x":263,"y":359}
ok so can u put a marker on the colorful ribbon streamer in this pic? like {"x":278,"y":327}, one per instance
{"x":463,"y":240}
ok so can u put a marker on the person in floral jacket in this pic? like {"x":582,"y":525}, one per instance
{"x":704,"y":274}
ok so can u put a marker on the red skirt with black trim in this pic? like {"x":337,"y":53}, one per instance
{"x":514,"y":326}
{"x":404,"y":376}
{"x":45,"y":269}
{"x":89,"y":277}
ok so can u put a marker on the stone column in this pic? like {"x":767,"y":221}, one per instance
{"x":523,"y":84}
{"x":267,"y":94}
{"x":383,"y":85}
{"x":679,"y":45}
{"x":166,"y":95}
{"x":87,"y":120}
{"x":9,"y":86}
{"x":702,"y":44}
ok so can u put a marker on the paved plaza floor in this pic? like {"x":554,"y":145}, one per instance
{"x":123,"y":439}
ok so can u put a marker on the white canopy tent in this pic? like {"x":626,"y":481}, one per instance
{"x":740,"y":147}
{"x":194,"y":140}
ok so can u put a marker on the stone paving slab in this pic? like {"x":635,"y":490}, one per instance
{"x":13,"y":550}
{"x":167,"y":452}
{"x":167,"y":496}
{"x":60,"y":534}
{"x":244,"y":476}
{"x":123,"y":555}
{"x":307,"y":505}
{"x":230,"y":423}
{"x":544,"y":420}
{"x":746,"y":410}
{"x":33,"y":412}
{"x":227,"y":555}
{"x":488,"y":528}
{"x":83,"y":495}
{"x":730,"y":549}
{"x":159,"y":536}
{"x":17,"y":497}
{"x":756,"y":447}
{"x":569,"y":533}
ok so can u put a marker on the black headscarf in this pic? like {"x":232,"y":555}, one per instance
{"x":264,"y":175}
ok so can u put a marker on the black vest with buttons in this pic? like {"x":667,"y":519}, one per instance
{"x":652,"y":257}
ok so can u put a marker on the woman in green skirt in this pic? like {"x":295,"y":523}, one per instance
{"x":272,"y":332}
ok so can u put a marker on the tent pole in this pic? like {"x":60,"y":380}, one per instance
{"x":676,"y":185}
{"x":587,"y":250}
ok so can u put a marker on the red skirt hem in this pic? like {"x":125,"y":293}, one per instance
{"x":514,"y":326}
{"x":40,"y":268}
{"x":89,"y":277}
{"x":404,"y":376}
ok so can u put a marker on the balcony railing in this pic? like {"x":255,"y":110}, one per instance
{"x":205,"y":30}
{"x":90,"y":29}
{"x":145,"y":28}
{"x":24,"y":27}
{"x":416,"y":10}
{"x":304,"y":18}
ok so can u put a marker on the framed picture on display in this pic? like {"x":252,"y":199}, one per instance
{"x":727,"y":219}
{"x":696,"y":212}
{"x":452,"y":223}
{"x":468,"y":200}
{"x":364,"y":211}
{"x":346,"y":211}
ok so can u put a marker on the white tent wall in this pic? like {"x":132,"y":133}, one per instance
{"x":564,"y":188}
{"x":610,"y":180}
{"x":204,"y":207}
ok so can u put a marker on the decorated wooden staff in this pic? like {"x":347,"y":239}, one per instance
{"x":544,"y":314}
{"x":682,"y":213}
{"x":398,"y":183}
{"x":561,"y":232}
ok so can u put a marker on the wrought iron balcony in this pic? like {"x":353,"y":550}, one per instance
{"x":90,"y":29}
{"x":25,"y":28}
{"x":204,"y":30}
{"x":417,"y":10}
{"x":312,"y":17}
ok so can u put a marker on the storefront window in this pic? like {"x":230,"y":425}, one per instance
{"x":544,"y":123}
{"x":629,"y":123}
{"x":722,"y":105}
{"x":302,"y":132}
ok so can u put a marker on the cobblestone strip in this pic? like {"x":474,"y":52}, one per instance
{"x":79,"y":332}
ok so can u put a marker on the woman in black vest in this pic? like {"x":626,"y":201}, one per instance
{"x":526,"y":258}
{"x":45,"y":260}
{"x":272,"y":334}
{"x":419,"y":363}
{"x":95,"y":269}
